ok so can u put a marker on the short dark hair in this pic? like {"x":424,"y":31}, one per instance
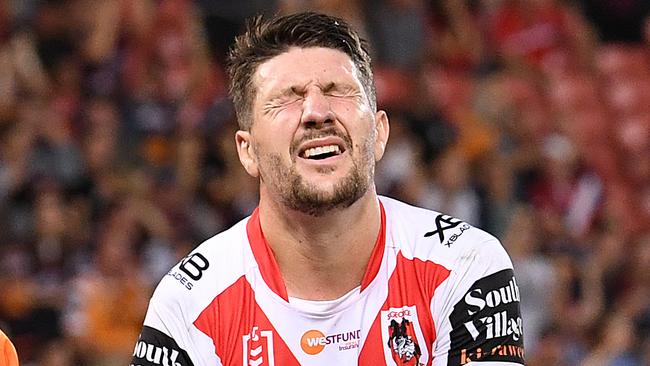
{"x":267,"y":38}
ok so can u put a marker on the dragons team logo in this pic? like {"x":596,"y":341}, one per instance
{"x":401,"y":341}
{"x":403,"y":338}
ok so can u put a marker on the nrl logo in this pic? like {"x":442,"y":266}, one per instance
{"x":258,"y":348}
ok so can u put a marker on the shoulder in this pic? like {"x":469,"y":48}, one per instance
{"x":204,"y":273}
{"x":185,"y":292}
{"x":443,"y":239}
{"x":476,"y":306}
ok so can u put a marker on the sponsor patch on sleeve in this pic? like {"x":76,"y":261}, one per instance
{"x":190,"y":270}
{"x":156,"y":348}
{"x":486,"y":322}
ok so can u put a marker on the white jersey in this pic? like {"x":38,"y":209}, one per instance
{"x":437,"y":291}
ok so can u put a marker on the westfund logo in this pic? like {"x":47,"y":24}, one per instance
{"x":155,"y":348}
{"x":486,"y":322}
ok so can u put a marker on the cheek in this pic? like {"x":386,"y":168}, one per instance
{"x":356,"y":120}
{"x":273,"y":141}
{"x":350,"y":106}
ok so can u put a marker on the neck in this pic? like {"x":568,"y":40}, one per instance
{"x":324,"y":257}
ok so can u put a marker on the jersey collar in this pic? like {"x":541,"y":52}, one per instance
{"x":269,"y":267}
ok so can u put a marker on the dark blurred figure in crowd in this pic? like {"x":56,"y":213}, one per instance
{"x":618,"y":21}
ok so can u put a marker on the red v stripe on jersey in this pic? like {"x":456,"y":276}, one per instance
{"x":377,"y":252}
{"x":264,"y":256}
{"x":413,"y":282}
{"x":269,"y":267}
{"x":235,"y":313}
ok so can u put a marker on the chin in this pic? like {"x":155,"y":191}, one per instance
{"x":318,"y":198}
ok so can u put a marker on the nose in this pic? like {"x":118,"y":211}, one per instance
{"x":316,"y":110}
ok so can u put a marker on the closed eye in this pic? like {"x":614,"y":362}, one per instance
{"x":284,"y":100}
{"x":340,"y":90}
{"x":285,"y":97}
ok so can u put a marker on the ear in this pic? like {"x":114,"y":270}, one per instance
{"x":383,"y":130}
{"x":246,"y":153}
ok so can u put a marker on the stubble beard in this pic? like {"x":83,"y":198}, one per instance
{"x":298,"y":194}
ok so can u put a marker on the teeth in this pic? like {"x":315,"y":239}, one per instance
{"x":321,"y":150}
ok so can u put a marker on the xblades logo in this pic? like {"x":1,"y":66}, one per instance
{"x":194,"y":265}
{"x":455,"y":236}
{"x":443,"y":222}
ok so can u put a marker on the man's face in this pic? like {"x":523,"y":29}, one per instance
{"x":314,"y":139}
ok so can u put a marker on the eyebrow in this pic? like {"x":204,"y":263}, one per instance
{"x":300,"y":90}
{"x":286,"y":92}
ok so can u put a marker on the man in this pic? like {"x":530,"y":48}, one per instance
{"x":324,"y":271}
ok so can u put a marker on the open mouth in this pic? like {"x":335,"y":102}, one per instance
{"x":322,"y":146}
{"x":321,"y":152}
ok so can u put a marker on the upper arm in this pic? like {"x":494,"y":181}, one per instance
{"x":478,"y":317}
{"x":169,"y":336}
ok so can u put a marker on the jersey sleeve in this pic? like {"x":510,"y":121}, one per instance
{"x":168,"y":336}
{"x":478,"y":318}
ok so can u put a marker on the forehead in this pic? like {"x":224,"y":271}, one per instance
{"x":301,"y":66}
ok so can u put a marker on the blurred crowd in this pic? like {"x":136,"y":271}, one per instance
{"x":528,"y":118}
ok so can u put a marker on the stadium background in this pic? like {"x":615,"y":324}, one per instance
{"x":529,"y":118}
